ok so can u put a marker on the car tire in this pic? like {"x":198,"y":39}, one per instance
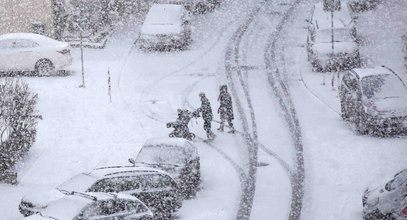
{"x":361,"y":126}
{"x":344,"y":109}
{"x":44,"y":67}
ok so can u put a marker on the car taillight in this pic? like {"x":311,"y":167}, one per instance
{"x":64,"y":51}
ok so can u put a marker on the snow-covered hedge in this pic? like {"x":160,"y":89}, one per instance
{"x":18,"y":122}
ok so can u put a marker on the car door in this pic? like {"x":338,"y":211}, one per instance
{"x":7,"y":55}
{"x":27,"y":54}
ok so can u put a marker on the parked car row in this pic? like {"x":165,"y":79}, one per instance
{"x":165,"y":172}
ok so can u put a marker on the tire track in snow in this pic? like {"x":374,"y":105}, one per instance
{"x":281,"y":91}
{"x":232,"y":60}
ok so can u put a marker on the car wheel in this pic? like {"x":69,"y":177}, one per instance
{"x":44,"y":68}
{"x":344,"y":109}
{"x":361,"y":125}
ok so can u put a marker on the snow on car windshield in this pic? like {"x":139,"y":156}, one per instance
{"x":163,"y":15}
{"x":80,"y":182}
{"x":382,"y":87}
{"x":340,"y":35}
{"x":163,"y":154}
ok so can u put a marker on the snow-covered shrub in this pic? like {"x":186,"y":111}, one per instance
{"x":18,"y":122}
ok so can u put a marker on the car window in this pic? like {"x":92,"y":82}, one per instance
{"x":383,"y":86}
{"x":135,"y":206}
{"x":6,"y":44}
{"x":104,"y":209}
{"x":19,"y":44}
{"x":351,"y":82}
{"x":116,"y":184}
{"x":157,"y":181}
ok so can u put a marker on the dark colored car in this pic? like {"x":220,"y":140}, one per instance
{"x":388,"y":202}
{"x":375,"y":100}
{"x":176,"y":156}
{"x":96,"y":206}
{"x":155,"y":188}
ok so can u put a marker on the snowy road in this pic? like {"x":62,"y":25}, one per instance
{"x":288,"y":122}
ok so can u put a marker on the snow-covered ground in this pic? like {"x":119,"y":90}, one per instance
{"x":81,"y":129}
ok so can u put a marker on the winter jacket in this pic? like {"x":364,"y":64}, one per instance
{"x":225,"y":108}
{"x":205,"y":109}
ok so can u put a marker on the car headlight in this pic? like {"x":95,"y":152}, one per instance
{"x":375,"y":201}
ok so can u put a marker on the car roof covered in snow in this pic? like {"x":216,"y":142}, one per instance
{"x":322,"y":18}
{"x":30,"y":36}
{"x":118,"y":171}
{"x":165,"y":14}
{"x":371,"y":71}
{"x":180,"y":142}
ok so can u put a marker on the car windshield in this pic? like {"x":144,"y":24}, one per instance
{"x":382,"y":87}
{"x":79,"y":183}
{"x":117,"y":184}
{"x":162,"y":154}
{"x":340,"y":35}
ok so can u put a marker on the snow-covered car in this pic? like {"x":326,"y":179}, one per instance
{"x":176,"y":156}
{"x":195,"y":6}
{"x":33,"y":52}
{"x":332,"y":47}
{"x":154,"y":187}
{"x":363,"y":5}
{"x":95,"y":206}
{"x":375,"y":99}
{"x":166,"y":26}
{"x":387,"y":202}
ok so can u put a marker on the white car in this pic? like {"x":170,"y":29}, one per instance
{"x":33,"y":52}
{"x":97,"y":206}
{"x":166,"y":25}
{"x":387,"y":202}
{"x":323,"y":53}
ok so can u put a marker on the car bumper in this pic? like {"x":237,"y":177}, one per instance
{"x":392,"y":126}
{"x":63,"y":61}
{"x":340,"y":62}
{"x":166,"y":41}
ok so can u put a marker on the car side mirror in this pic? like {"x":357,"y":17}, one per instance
{"x":132,"y":161}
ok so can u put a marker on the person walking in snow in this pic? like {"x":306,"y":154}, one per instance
{"x":225,"y":109}
{"x":207,"y":115}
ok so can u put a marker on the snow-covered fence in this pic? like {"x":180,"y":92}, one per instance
{"x":18,"y":122}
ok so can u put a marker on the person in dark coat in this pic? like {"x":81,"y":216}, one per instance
{"x":225,"y":109}
{"x":206,"y":112}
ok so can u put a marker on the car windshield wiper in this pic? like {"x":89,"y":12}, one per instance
{"x":64,"y":191}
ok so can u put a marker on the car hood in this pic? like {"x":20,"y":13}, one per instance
{"x":391,"y":107}
{"x":164,"y":29}
{"x":44,"y":198}
{"x":339,"y":47}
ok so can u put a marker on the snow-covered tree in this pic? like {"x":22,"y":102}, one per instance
{"x":18,"y":122}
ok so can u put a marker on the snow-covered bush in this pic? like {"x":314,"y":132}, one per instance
{"x":18,"y":122}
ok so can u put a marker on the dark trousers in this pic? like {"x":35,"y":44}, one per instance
{"x":207,"y":126}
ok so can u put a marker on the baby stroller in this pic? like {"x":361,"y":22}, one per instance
{"x":181,"y":130}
